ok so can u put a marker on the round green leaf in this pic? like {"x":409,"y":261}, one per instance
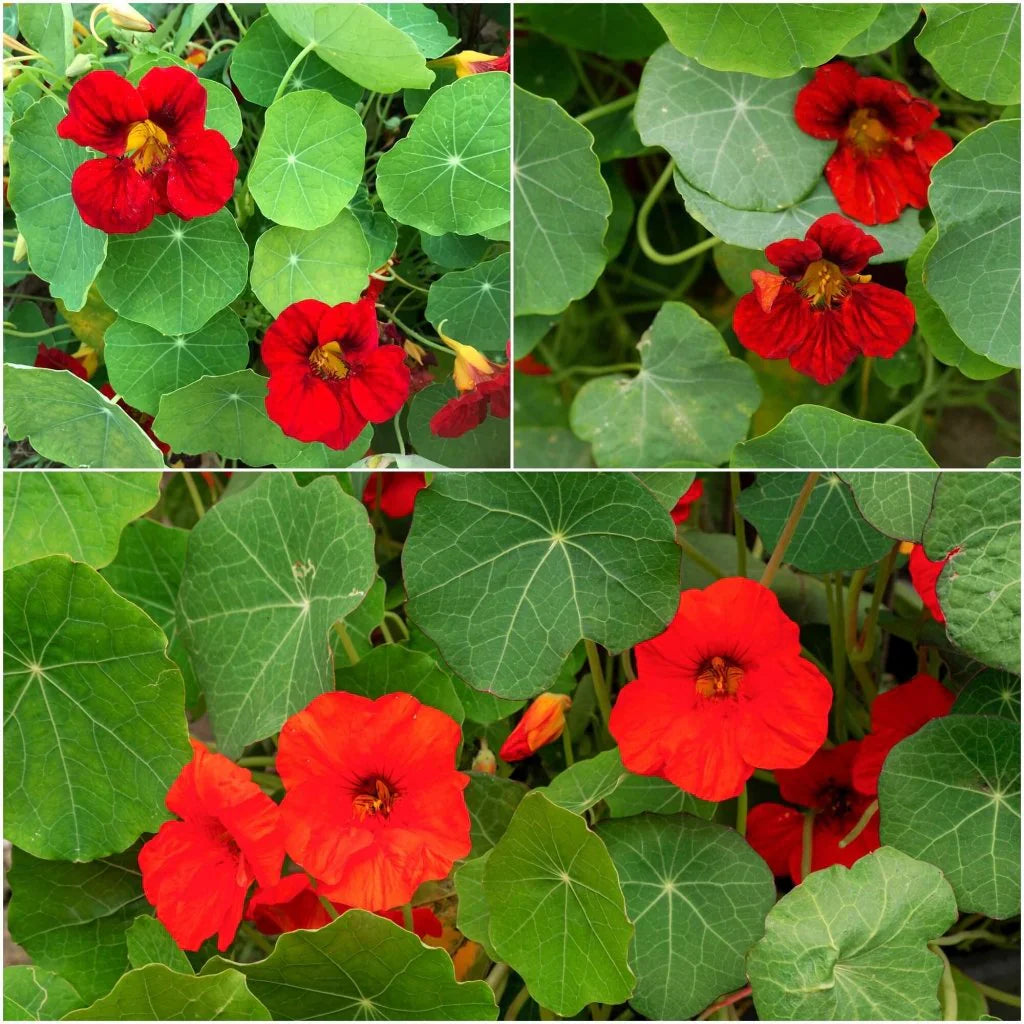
{"x":454,"y":252}
{"x":450,"y":173}
{"x":897,"y":504}
{"x":894,"y":21}
{"x":973,"y":269}
{"x":620,"y":31}
{"x":361,"y":966}
{"x":562,"y":207}
{"x":30,"y":993}
{"x":379,"y":230}
{"x":474,"y":919}
{"x":771,"y":40}
{"x":698,"y":895}
{"x":62,"y":249}
{"x":272,"y":569}
{"x":155,"y":992}
{"x":991,"y":692}
{"x":358,"y":42}
{"x":420,"y":24}
{"x":753,"y":230}
{"x":731,"y":135}
{"x":48,"y":28}
{"x":91,"y":700}
{"x":330,"y":264}
{"x":851,"y":944}
{"x":950,"y":795}
{"x":506,"y":573}
{"x":475,"y":304}
{"x":309,"y":160}
{"x":80,"y":515}
{"x":688,"y":405}
{"x":483,"y":447}
{"x":222,"y":113}
{"x":145,"y":365}
{"x":67,"y":420}
{"x":176,"y":273}
{"x":557,"y":913}
{"x":491,"y":801}
{"x":975,"y":48}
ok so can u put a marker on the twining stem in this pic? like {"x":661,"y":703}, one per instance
{"x":9,"y":329}
{"x":622,"y":103}
{"x":604,"y":702}
{"x":765,"y":776}
{"x":300,"y":57}
{"x":808,"y":837}
{"x":862,"y":823}
{"x":789,"y":529}
{"x":346,"y":642}
{"x":593,"y":371}
{"x":1006,"y":998}
{"x":519,"y":1000}
{"x":738,"y":526}
{"x":399,"y":622}
{"x":741,"y":812}
{"x":581,"y":74}
{"x":967,"y":936}
{"x":697,"y":557}
{"x":415,"y":335}
{"x":398,"y":432}
{"x":193,"y":491}
{"x":235,"y":18}
{"x":497,"y":977}
{"x":666,"y":260}
{"x":947,"y":987}
{"x":627,"y":665}
{"x":567,"y":747}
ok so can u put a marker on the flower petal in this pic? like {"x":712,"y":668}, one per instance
{"x":289,"y":340}
{"x":379,"y":382}
{"x":843,"y":243}
{"x":774,"y":830}
{"x":112,"y":196}
{"x":353,"y":325}
{"x":102,"y":107}
{"x":175,"y":100}
{"x":459,"y":415}
{"x":877,"y":320}
{"x":823,"y":106}
{"x":792,"y":256}
{"x":200,"y":175}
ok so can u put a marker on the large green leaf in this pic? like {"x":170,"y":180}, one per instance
{"x":62,"y":249}
{"x":420,"y":24}
{"x":979,"y":590}
{"x":991,"y":692}
{"x":361,"y":966}
{"x":149,"y":942}
{"x":975,"y":48}
{"x":155,"y":992}
{"x":752,"y":230}
{"x":688,"y":405}
{"x":893,"y":22}
{"x":557,"y":913}
{"x":94,"y":725}
{"x":474,"y":919}
{"x":475,"y":303}
{"x":30,"y":993}
{"x":309,"y":160}
{"x":897,"y":504}
{"x":771,"y":40}
{"x":731,"y":135}
{"x":330,"y":264}
{"x":379,"y":230}
{"x":48,"y":29}
{"x":72,"y":918}
{"x":175,"y":274}
{"x":562,"y":207}
{"x":80,"y":515}
{"x":491,"y":801}
{"x":358,"y":42}
{"x":950,"y":795}
{"x":851,"y":944}
{"x":506,"y":573}
{"x":228,"y":415}
{"x":483,"y":447}
{"x":450,"y":173}
{"x":698,"y":895}
{"x":267,"y":573}
{"x":621,"y":31}
{"x":973,"y":269}
{"x":144,"y":364}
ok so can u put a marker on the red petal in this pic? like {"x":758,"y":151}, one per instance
{"x":876,"y":320}
{"x":832,"y":767}
{"x":776,"y":333}
{"x":843,"y":243}
{"x":397,"y":492}
{"x":823,"y":106}
{"x":902,"y":114}
{"x":58,"y":359}
{"x":292,"y":336}
{"x":868,"y":188}
{"x":102,"y":107}
{"x":175,"y":99}
{"x":200,"y":175}
{"x":304,"y":407}
{"x":932,"y":146}
{"x":459,"y":415}
{"x":379,"y":383}
{"x":112,"y":196}
{"x":353,"y":325}
{"x":774,"y":830}
{"x":766,"y":288}
{"x":792,"y":256}
{"x":825,"y":840}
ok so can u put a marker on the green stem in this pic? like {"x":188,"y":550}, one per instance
{"x":862,"y":823}
{"x":399,"y":622}
{"x":741,"y":812}
{"x":865,"y":385}
{"x":415,"y":335}
{"x":300,"y":57}
{"x":765,"y":776}
{"x":519,"y":1000}
{"x":968,"y":935}
{"x":947,"y":987}
{"x":593,"y":371}
{"x":604,"y":702}
{"x":346,"y":642}
{"x":622,"y":103}
{"x":260,"y":761}
{"x":807,"y":843}
{"x":266,"y":779}
{"x":497,"y":978}
{"x":665,"y":259}
{"x":567,"y":747}
{"x":789,"y":529}
{"x":696,"y":556}
{"x":235,"y":18}
{"x":398,"y":432}
{"x":1006,"y":998}
{"x":738,"y":526}
{"x":9,"y":329}
{"x":627,"y":666}
{"x":866,"y":642}
{"x":407,"y":916}
{"x":255,"y":936}
{"x":193,"y":491}
{"x":838,"y":630}
{"x":581,"y":74}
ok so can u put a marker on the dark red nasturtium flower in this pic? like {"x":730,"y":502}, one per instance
{"x":886,"y":143}
{"x":197,"y":871}
{"x":374,"y":805}
{"x":924,"y":574}
{"x":397,"y":492}
{"x":722,"y":691}
{"x":895,"y":715}
{"x":292,"y":903}
{"x":159,"y":157}
{"x":823,"y":786}
{"x":329,"y":374}
{"x":820,"y":312}
{"x":57,"y":359}
{"x":484,"y":387}
{"x":681,"y":510}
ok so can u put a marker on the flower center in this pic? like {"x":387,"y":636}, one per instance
{"x":147,"y":145}
{"x":374,"y":796}
{"x":867,"y":133}
{"x":719,"y":677}
{"x":327,"y":362}
{"x":834,"y":800}
{"x":824,"y":284}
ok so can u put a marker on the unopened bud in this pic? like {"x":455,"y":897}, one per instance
{"x":79,"y":66}
{"x":485,"y":761}
{"x":542,"y":722}
{"x":125,"y":16}
{"x":20,"y":249}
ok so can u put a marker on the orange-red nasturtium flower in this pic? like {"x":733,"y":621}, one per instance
{"x":374,"y":805}
{"x":470,"y":62}
{"x":197,"y":871}
{"x":895,"y":715}
{"x":820,"y":312}
{"x":542,"y":723}
{"x":722,"y":691}
{"x":483,"y":387}
{"x":824,"y":786}
{"x":397,"y":492}
{"x":159,"y":157}
{"x":886,"y":143}
{"x":681,"y":510}
{"x":292,"y":903}
{"x":924,"y":574}
{"x":57,"y":359}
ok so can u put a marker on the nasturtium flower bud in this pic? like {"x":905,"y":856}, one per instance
{"x":125,"y":16}
{"x":470,"y":62}
{"x":83,"y":62}
{"x":542,"y":723}
{"x":485,"y":761}
{"x":20,"y":249}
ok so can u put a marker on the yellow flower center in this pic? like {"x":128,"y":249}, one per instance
{"x":824,"y":284}
{"x":867,"y":133}
{"x":719,"y":677}
{"x":327,"y":362}
{"x":147,"y":145}
{"x":374,"y":797}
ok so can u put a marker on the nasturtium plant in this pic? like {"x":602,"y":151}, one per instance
{"x":833,"y":189}
{"x":193,"y":190}
{"x":413,"y":745}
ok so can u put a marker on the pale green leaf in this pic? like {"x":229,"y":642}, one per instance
{"x":897,"y":504}
{"x":420,"y":24}
{"x":893,"y":22}
{"x":474,"y":918}
{"x":475,"y":303}
{"x":491,"y":801}
{"x":379,"y":230}
{"x":48,"y":29}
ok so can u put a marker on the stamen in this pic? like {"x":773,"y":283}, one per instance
{"x":147,"y":145}
{"x":824,"y":284}
{"x":327,"y":362}
{"x":867,"y":132}
{"x":375,"y":796}
{"x":719,"y":677}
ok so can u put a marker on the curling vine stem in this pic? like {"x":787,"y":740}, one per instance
{"x":862,"y":823}
{"x":581,"y":74}
{"x":9,"y":329}
{"x":947,"y":986}
{"x":346,"y":642}
{"x":789,"y":529}
{"x":415,"y":335}
{"x":604,"y":702}
{"x":866,"y":642}
{"x":398,"y":432}
{"x":236,"y":19}
{"x":593,"y":371}
{"x":257,"y":761}
{"x":300,"y":57}
{"x":838,"y":657}
{"x":622,"y":103}
{"x":738,"y":526}
{"x":865,"y":385}
{"x":665,"y":259}
{"x":519,"y":1000}
{"x":1006,"y":998}
{"x":256,"y":937}
{"x":407,"y":916}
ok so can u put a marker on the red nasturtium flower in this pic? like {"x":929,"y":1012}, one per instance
{"x":159,"y":157}
{"x":924,"y":574}
{"x":722,"y":691}
{"x":374,"y":805}
{"x":292,"y":903}
{"x":542,"y":723}
{"x":895,"y":715}
{"x":197,"y":871}
{"x":681,"y":510}
{"x":57,"y":359}
{"x":483,"y":387}
{"x":329,"y":374}
{"x":886,"y":143}
{"x":397,"y":492}
{"x":820,"y":312}
{"x":824,"y":785}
